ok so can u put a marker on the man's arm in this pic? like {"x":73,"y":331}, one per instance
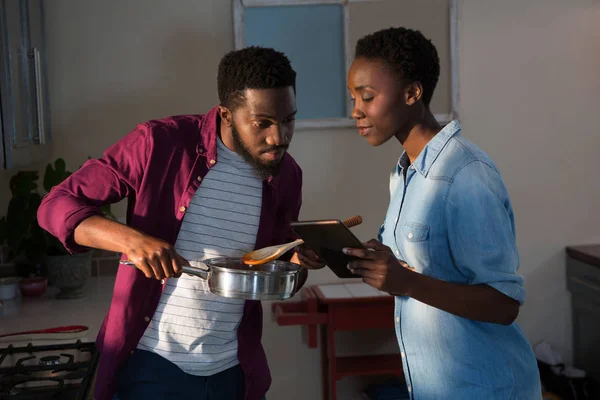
{"x":71,"y":211}
{"x":109,"y":179}
{"x":154,"y":257}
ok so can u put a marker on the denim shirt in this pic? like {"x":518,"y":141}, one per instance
{"x":450,"y":218}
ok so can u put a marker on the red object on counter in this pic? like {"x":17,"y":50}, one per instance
{"x":59,"y":332}
{"x":33,"y":287}
{"x":339,"y":310}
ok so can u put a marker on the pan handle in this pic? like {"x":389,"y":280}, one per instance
{"x":188,"y":269}
{"x":197,"y":271}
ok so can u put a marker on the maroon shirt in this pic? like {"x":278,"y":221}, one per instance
{"x":158,"y":167}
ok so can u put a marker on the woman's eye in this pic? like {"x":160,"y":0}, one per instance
{"x":368,"y":99}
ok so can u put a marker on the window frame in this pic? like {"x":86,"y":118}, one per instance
{"x":347,"y":122}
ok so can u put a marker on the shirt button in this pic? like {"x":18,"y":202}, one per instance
{"x":410,"y":235}
{"x":147,"y":319}
{"x":408,"y":387}
{"x":402,"y":354}
{"x":182,"y":208}
{"x":397,"y":252}
{"x":212,"y":162}
{"x":162,"y":281}
{"x":396,"y":220}
{"x":131,"y":352}
{"x":199,"y":179}
{"x":398,"y":319}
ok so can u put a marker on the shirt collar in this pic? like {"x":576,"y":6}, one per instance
{"x":207,"y":145}
{"x":432,"y":150}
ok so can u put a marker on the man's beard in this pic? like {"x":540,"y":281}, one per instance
{"x":264,"y":171}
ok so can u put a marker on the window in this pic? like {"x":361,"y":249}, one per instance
{"x":319,"y":36}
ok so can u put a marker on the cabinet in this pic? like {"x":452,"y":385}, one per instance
{"x":583,"y":281}
{"x":24,"y":108}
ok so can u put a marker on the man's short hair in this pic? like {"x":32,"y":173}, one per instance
{"x":252,"y":68}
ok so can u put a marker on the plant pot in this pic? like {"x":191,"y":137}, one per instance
{"x":69,"y":273}
{"x":34,"y":286}
{"x":9,"y":287}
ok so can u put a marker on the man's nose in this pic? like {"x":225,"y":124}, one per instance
{"x":278,"y":135}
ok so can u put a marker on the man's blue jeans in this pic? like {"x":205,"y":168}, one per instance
{"x":148,"y":376}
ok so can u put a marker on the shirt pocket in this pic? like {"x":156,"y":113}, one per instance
{"x":413,"y":239}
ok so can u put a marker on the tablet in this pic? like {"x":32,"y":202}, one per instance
{"x":327,"y":238}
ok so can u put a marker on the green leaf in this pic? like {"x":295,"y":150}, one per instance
{"x":48,"y":177}
{"x":11,"y":255}
{"x":34,"y":203}
{"x":27,"y":242}
{"x":18,"y":219}
{"x":88,"y":159}
{"x":24,"y":182}
{"x":106,"y":209}
{"x":54,"y":247}
{"x":3,"y":232}
{"x":60,"y":166}
{"x":55,"y":175}
{"x":31,"y":250}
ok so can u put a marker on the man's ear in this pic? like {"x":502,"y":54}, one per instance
{"x":226,"y":115}
{"x":413,"y":93}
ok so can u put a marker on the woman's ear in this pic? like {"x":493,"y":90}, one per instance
{"x":413,"y":93}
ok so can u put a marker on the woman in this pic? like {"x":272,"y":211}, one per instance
{"x":447,"y":247}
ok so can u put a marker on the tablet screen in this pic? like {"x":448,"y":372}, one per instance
{"x":327,"y":238}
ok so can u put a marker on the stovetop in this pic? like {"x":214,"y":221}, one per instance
{"x":59,"y":371}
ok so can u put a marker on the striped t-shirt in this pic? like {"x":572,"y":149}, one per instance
{"x":191,"y":327}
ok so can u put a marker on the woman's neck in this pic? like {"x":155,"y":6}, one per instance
{"x":417,"y":134}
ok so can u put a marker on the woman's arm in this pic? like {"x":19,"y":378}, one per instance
{"x":379,"y":268}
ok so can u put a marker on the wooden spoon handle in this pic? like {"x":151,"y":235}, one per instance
{"x":352,"y":221}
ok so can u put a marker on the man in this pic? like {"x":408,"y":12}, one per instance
{"x":198,"y":186}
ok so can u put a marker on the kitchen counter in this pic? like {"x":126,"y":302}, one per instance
{"x":31,"y":313}
{"x":589,"y":254}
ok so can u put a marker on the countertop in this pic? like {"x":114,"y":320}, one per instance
{"x":589,"y":254}
{"x":32,"y":313}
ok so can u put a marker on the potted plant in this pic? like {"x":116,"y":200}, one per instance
{"x":39,"y":257}
{"x":21,"y":233}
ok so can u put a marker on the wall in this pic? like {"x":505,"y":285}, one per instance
{"x":529,"y":85}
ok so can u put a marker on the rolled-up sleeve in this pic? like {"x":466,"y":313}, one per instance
{"x":109,"y":179}
{"x":481,"y":232}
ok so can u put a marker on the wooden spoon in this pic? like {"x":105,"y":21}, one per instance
{"x":271,"y":253}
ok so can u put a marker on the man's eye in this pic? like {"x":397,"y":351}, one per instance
{"x":289,"y":120}
{"x":263,"y":124}
{"x":368,"y":99}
